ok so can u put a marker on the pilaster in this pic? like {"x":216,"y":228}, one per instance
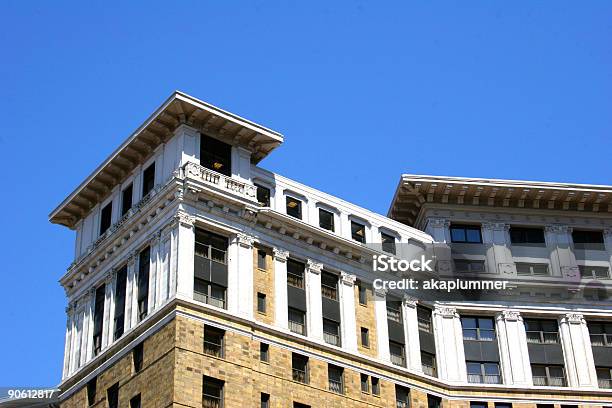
{"x":577,"y":351}
{"x":347,"y":312}
{"x":314,"y":307}
{"x":496,"y":237}
{"x":513,"y":351}
{"x":411,"y":334}
{"x":245,"y":274}
{"x":448,"y":336}
{"x":280,"y":288}
{"x":382,"y":327}
{"x":183,"y":272}
{"x":109,"y":309}
{"x":562,"y":258}
{"x":68,"y":341}
{"x":131,"y":292}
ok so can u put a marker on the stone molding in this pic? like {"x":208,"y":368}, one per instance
{"x":409,"y":301}
{"x":314,"y":266}
{"x":510,"y":316}
{"x":437,"y":222}
{"x":446,"y":312}
{"x":347,"y":278}
{"x":280,"y":254}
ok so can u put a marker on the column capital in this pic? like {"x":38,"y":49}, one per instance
{"x":347,"y":278}
{"x":409,"y":301}
{"x":558,"y":229}
{"x":280,"y":254}
{"x":496,"y":226}
{"x":438,"y":222}
{"x":446,"y":312}
{"x":185,"y":219}
{"x":573,"y":318}
{"x":510,"y":316}
{"x":110,"y":275}
{"x":314,"y":266}
{"x":381,"y":292}
{"x":155,"y":238}
{"x":131,"y":258}
{"x":245,"y":240}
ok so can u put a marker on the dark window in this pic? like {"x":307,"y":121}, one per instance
{"x":526,"y":235}
{"x":210,"y":293}
{"x":394,"y":311}
{"x":536,"y":269}
{"x":294,"y":207}
{"x":466,"y":234}
{"x":363,"y":296}
{"x":329,"y":285}
{"x":326,"y":219}
{"x":365,"y":337}
{"x":388,"y":243}
{"x":478,"y":405}
{"x":265,"y":400}
{"x":216,"y":155}
{"x":402,"y":396}
{"x":601,"y":334}
{"x":212,"y":393}
{"x":91,"y":390}
{"x":469,"y":265}
{"x":120,"y":287}
{"x":483,"y":373}
{"x":261,"y":303}
{"x":135,"y":402}
{"x":567,"y":406}
{"x":137,"y":356}
{"x":397,"y":353}
{"x":335,"y":376}
{"x":428,"y":363}
{"x":112,"y":396}
{"x":424,"y":319}
{"x":433,"y":401}
{"x":331,"y":332}
{"x":210,"y":281}
{"x":297,"y":321}
{"x":503,"y":405}
{"x":542,"y":331}
{"x":213,"y":341}
{"x":588,"y":240}
{"x":604,"y":377}
{"x":548,"y":375}
{"x":126,"y":199}
{"x":148,"y":180}
{"x":263,"y":195}
{"x":478,"y":328}
{"x":299,"y":368}
{"x":545,"y":406}
{"x":365,"y":383}
{"x":264,"y":352}
{"x":106,"y":217}
{"x":375,"y":386}
{"x":300,"y":405}
{"x":144,"y":259}
{"x":594,"y":272}
{"x":98,"y":319}
{"x":261,"y":259}
{"x":358,"y":232}
{"x":295,"y":273}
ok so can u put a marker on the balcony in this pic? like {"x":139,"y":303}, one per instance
{"x":398,"y":360}
{"x":484,"y":379}
{"x":336,"y":386}
{"x":213,"y":349}
{"x":601,"y":340}
{"x":211,"y":401}
{"x":331,"y":338}
{"x":329,"y":292}
{"x":297,"y":327}
{"x":220,"y":181}
{"x":299,"y":376}
{"x":541,"y":337}
{"x":548,"y":381}
{"x":429,"y":370}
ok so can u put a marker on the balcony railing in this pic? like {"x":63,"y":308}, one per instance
{"x":331,"y":338}
{"x":484,"y":379}
{"x":299,"y":375}
{"x":424,"y":324}
{"x":402,"y":404}
{"x":295,"y":280}
{"x":601,"y":340}
{"x":398,"y":360}
{"x":336,"y":386}
{"x":604,"y":383}
{"x":296,"y":327}
{"x":329,"y":292}
{"x":209,"y":300}
{"x":542,"y":337}
{"x":548,"y":381}
{"x":429,"y":370}
{"x":213,"y":349}
{"x":210,"y":401}
{"x":394,"y":314}
{"x":220,"y":181}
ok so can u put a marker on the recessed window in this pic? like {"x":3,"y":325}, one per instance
{"x":433,"y":401}
{"x":363,"y":296}
{"x":216,"y":155}
{"x":98,"y":319}
{"x":424,"y":319}
{"x":299,"y":368}
{"x":535,"y":269}
{"x":144,"y":260}
{"x":428,"y":363}
{"x":263,"y":195}
{"x":295,"y":273}
{"x":148,"y":180}
{"x":398,"y":353}
{"x":329,"y":285}
{"x":135,"y":402}
{"x":520,"y":235}
{"x":542,"y":331}
{"x":326,"y":220}
{"x":294,"y":207}
{"x":478,"y":328}
{"x":478,"y":404}
{"x":126,"y":199}
{"x":365,"y":337}
{"x":388,"y":243}
{"x":375,"y":386}
{"x":297,"y":321}
{"x":506,"y":405}
{"x":91,"y":391}
{"x":469,"y":265}
{"x":210,"y":280}
{"x":594,"y":272}
{"x":120,"y":291}
{"x":300,"y":405}
{"x":584,"y":239}
{"x":604,"y":377}
{"x":548,"y":375}
{"x":212,"y":392}
{"x":394,"y":311}
{"x":402,"y":396}
{"x":335,"y":376}
{"x":264,"y":352}
{"x":265,"y":400}
{"x":261,"y":259}
{"x":331,"y":332}
{"x":137,"y":357}
{"x":358,"y":232}
{"x":112,"y":396}
{"x":261,"y":303}
{"x":466,"y":234}
{"x":601,"y":334}
{"x":365,"y":383}
{"x":106,"y":217}
{"x":213,"y":341}
{"x":483,"y":373}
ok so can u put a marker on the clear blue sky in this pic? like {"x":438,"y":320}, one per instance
{"x":363,"y":91}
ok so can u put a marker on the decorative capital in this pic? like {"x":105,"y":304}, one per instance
{"x":184,"y":219}
{"x":574,"y":318}
{"x":438,"y":222}
{"x":347,"y":278}
{"x":313,"y":266}
{"x":409,"y":301}
{"x":245,"y":240}
{"x":558,"y":229}
{"x":280,"y":254}
{"x":495,"y":226}
{"x":446,"y":312}
{"x":510,"y":316}
{"x":380,"y":293}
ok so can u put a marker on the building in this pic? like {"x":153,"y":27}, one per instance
{"x":201,"y":279}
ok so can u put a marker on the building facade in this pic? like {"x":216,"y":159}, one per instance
{"x":201,"y":279}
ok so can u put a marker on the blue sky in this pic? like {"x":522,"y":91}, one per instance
{"x":363,"y":91}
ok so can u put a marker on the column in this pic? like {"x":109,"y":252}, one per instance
{"x":68,"y":343}
{"x":280,"y":288}
{"x":439,"y":229}
{"x":562,"y":258}
{"x":314,"y":302}
{"x":411,"y":334}
{"x":87,"y":341}
{"x":163,"y":269}
{"x":577,"y":352}
{"x":348,"y":319}
{"x":607,"y":236}
{"x":183,"y":272}
{"x":131,"y":295}
{"x":245,"y":275}
{"x":382,"y":328}
{"x":448,"y":336}
{"x":497,"y":238}
{"x":77,"y":330}
{"x":513,"y":351}
{"x":153,"y":272}
{"x":109,"y":300}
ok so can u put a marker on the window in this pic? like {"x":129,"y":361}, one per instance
{"x":483,"y":373}
{"x":212,"y":393}
{"x":126,"y":200}
{"x":297,"y":321}
{"x":264,"y":352}
{"x":358,"y":232}
{"x":594,"y":272}
{"x":365,"y":337}
{"x":397,"y":353}
{"x":265,"y":400}
{"x":137,"y":357}
{"x":148,"y":180}
{"x":478,"y":404}
{"x":548,"y":375}
{"x":329,"y":285}
{"x":335,"y":376}
{"x":428,"y":363}
{"x":298,"y":405}
{"x":375,"y":386}
{"x":209,"y":293}
{"x":261,"y":259}
{"x":534,"y":269}
{"x":402,"y":396}
{"x":261,"y":303}
{"x":542,"y":331}
{"x":120,"y":287}
{"x":388,"y":243}
{"x":526,"y":235}
{"x":295,"y":273}
{"x":469,"y":265}
{"x":98,"y":319}
{"x":216,"y":155}
{"x":331,"y":332}
{"x":545,"y":406}
{"x":365,"y":383}
{"x":326,"y":220}
{"x":143,"y":282}
{"x":210,"y":280}
{"x":135,"y":401}
{"x":466,"y":234}
{"x":588,"y":240}
{"x":601,"y":334}
{"x":91,"y":391}
{"x":433,"y":401}
{"x":106,"y":217}
{"x":294,"y":207}
{"x":299,"y":368}
{"x":424,"y":319}
{"x":263,"y":195}
{"x":394,"y":311}
{"x":503,"y":405}
{"x":604,"y":377}
{"x":112,"y":396}
{"x":363,"y":296}
{"x":478,"y":328}
{"x":213,"y":341}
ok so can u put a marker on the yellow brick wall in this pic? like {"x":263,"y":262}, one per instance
{"x":365,"y":317}
{"x":263,"y":282}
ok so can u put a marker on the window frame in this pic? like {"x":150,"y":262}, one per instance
{"x":106,"y":218}
{"x":355,"y":232}
{"x":261,"y":303}
{"x":365,"y":334}
{"x":289,"y":210}
{"x":389,"y":245}
{"x":148,"y":180}
{"x":465,"y":228}
{"x":125,"y":209}
{"x":264,"y":352}
{"x":267,"y":197}
{"x":482,"y":373}
{"x":477,"y":329}
{"x":297,"y":373}
{"x":527,"y":236}
{"x":218,"y":346}
{"x":331,"y":225}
